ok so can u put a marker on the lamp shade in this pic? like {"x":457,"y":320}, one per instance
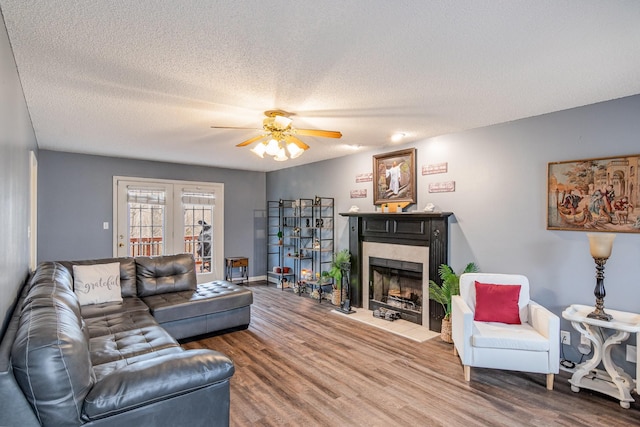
{"x":259,"y":150}
{"x":273,"y":147}
{"x":281,"y":156}
{"x":601,"y":244}
{"x":294,"y":150}
{"x":282,"y":122}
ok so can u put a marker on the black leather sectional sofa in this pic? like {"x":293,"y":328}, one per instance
{"x":119,"y":363}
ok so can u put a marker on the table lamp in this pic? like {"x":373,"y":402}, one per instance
{"x":600,"y":245}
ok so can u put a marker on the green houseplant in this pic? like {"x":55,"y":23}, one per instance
{"x":335,"y":272}
{"x":442,"y":293}
{"x":280,"y":237}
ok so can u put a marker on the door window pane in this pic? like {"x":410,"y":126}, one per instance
{"x":198,"y":210}
{"x":147,"y":218}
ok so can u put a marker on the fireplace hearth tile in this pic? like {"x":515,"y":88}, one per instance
{"x":400,"y":327}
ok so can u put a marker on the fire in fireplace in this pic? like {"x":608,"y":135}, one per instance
{"x":396,"y":285}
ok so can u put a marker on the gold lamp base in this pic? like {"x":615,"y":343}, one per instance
{"x":600,"y":315}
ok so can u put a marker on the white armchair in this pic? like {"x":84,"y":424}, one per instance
{"x":532,"y":346}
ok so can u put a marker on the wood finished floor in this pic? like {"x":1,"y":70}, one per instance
{"x":300,"y":365}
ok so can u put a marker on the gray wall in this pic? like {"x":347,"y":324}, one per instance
{"x":16,"y":140}
{"x":500,"y":173}
{"x":75,"y":197}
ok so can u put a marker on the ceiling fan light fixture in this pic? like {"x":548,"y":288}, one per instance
{"x":294,"y":150}
{"x":259,"y":150}
{"x":281,"y":156}
{"x":273,"y":147}
{"x":282,"y":138}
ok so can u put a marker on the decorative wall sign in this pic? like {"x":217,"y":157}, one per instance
{"x":394,"y":177}
{"x":594,"y":194}
{"x":435,"y":168}
{"x":364,"y":177}
{"x":442,"y":187}
{"x":359,"y":194}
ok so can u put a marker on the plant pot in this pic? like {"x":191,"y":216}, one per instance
{"x":445,"y":331}
{"x":335,"y":297}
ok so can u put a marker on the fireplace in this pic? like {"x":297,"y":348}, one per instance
{"x":408,"y":247}
{"x":404,"y":264}
{"x":396,"y":285}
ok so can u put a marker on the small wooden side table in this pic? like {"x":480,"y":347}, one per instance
{"x":241,"y":263}
{"x":613,"y":381}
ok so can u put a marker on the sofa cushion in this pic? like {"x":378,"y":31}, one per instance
{"x":52,"y":282}
{"x":127,"y":305}
{"x":104,"y":369}
{"x":114,"y":323}
{"x":156,"y":379}
{"x":50,"y":354}
{"x":127,"y":272}
{"x":500,"y":335}
{"x":208,"y":298}
{"x":97,"y":284}
{"x":129,"y":343}
{"x":162,"y":274}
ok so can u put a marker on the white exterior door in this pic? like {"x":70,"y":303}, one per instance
{"x":159,"y":217}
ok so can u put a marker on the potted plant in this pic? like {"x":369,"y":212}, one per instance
{"x":443,"y":293}
{"x":280,"y":237}
{"x":335,"y":272}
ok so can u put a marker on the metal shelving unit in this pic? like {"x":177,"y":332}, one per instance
{"x":277,"y":272}
{"x":321,"y":247}
{"x":306,"y":247}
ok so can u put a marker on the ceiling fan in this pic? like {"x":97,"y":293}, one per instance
{"x":277,"y":129}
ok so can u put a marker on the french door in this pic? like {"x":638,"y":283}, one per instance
{"x":160,"y":217}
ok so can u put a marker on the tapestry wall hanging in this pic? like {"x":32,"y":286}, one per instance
{"x":594,"y":195}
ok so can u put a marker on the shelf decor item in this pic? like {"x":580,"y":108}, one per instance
{"x":600,"y":245}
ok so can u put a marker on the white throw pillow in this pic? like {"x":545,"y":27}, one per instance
{"x":97,"y":283}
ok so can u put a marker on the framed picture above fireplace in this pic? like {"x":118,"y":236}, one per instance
{"x":394,"y":177}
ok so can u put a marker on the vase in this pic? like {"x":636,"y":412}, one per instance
{"x":445,"y":331}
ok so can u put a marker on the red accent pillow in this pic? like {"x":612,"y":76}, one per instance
{"x":497,"y":303}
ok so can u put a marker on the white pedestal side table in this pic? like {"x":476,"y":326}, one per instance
{"x":613,"y":381}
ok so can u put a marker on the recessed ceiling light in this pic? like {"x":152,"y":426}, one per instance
{"x":397,"y":137}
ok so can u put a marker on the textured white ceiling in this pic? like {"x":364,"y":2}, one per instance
{"x":147,"y":79}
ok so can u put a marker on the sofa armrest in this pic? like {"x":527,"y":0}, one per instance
{"x":157,"y":379}
{"x":548,"y":325}
{"x":461,"y":327}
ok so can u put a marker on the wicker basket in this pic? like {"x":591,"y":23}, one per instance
{"x":445,"y":331}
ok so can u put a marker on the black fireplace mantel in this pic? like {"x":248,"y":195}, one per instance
{"x":404,"y":228}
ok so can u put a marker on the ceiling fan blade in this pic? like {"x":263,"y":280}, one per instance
{"x":297,"y":141}
{"x":232,"y":127}
{"x":318,"y":132}
{"x":250,"y":141}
